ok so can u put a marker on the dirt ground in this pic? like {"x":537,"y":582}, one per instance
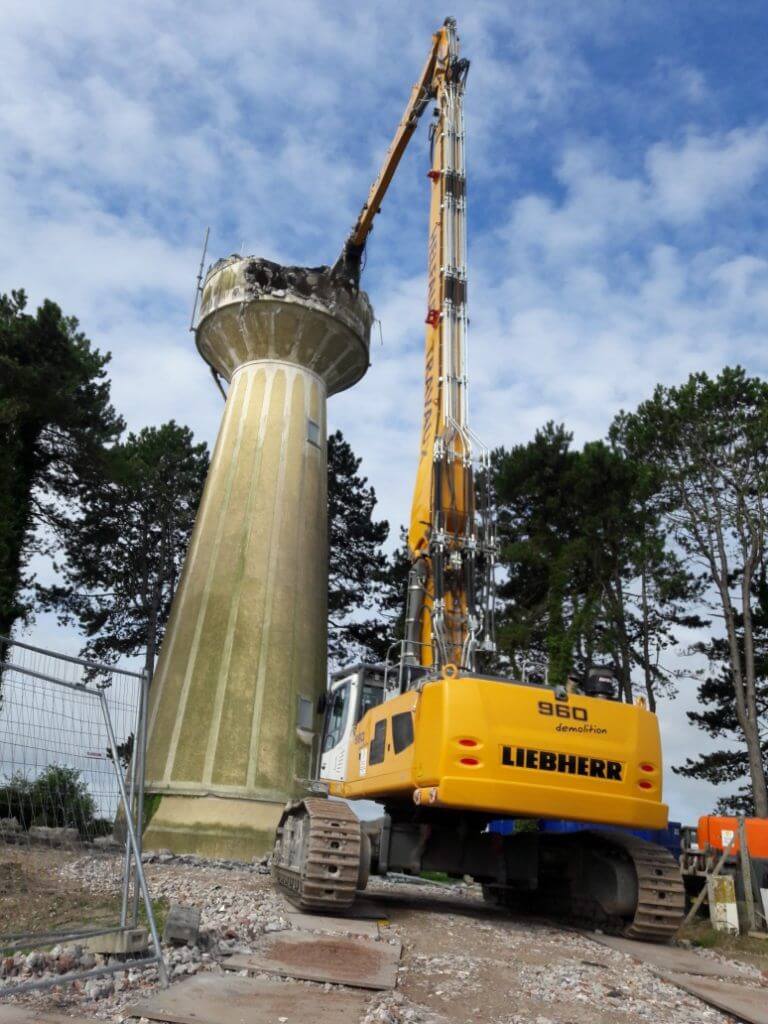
{"x":462,"y":961}
{"x":34,"y":898}
{"x":469,"y":964}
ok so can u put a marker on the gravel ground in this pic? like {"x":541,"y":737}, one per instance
{"x":462,"y":962}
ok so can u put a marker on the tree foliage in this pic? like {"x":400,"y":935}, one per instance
{"x":357,"y":565}
{"x":707,"y":445}
{"x":57,"y":798}
{"x":588,"y":576}
{"x":55,"y":419}
{"x":717,"y":716}
{"x":124,"y":549}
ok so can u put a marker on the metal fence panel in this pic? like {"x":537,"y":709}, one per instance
{"x":72,"y":737}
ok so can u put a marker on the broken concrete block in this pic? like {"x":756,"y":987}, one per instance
{"x":133,"y":940}
{"x":182,"y":925}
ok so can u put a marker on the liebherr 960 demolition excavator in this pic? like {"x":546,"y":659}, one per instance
{"x":443,"y":747}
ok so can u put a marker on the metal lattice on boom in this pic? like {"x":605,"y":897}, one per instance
{"x":451,"y":592}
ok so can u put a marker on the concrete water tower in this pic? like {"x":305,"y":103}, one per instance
{"x":233,"y":707}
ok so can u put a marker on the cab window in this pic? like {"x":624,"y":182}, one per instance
{"x":371,"y":697}
{"x":378,"y":743}
{"x":337,"y":708}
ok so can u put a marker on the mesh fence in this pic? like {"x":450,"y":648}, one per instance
{"x":56,"y":768}
{"x":71,"y":753}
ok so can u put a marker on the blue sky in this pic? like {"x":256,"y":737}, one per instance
{"x":617,"y":162}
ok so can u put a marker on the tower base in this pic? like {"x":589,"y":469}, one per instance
{"x":211,"y":826}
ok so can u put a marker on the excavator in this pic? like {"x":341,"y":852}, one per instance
{"x":444,"y":747}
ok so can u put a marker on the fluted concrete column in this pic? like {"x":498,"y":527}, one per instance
{"x":233,"y":703}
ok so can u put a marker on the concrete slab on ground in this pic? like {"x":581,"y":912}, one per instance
{"x":334,"y":925}
{"x":746,"y":1003}
{"x":338,"y":959}
{"x":28,"y":1015}
{"x":365,"y":910}
{"x":669,"y":958}
{"x":222,"y":999}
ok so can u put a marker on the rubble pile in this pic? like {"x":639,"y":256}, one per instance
{"x":459,"y":958}
{"x":611,"y":987}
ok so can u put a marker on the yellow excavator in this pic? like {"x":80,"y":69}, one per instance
{"x":443,"y":747}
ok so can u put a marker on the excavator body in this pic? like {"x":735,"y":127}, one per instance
{"x":442,"y":747}
{"x":493,"y":746}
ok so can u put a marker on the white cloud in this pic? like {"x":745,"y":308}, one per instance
{"x":706,"y":171}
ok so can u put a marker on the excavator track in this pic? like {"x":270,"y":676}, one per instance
{"x":660,"y":891}
{"x":316,"y":859}
{"x":653,"y":892}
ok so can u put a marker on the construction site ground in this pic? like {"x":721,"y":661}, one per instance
{"x":419,"y":953}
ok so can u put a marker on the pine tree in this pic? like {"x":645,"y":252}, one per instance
{"x":707,"y":443}
{"x":588,"y":575}
{"x":124,"y":549}
{"x":357,"y":566}
{"x":55,"y":419}
{"x":717,"y":712}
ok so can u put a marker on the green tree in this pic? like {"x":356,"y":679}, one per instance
{"x":55,"y":419}
{"x":391,"y":600}
{"x":57,"y":798}
{"x":540,"y":594}
{"x":716,"y":713}
{"x":124,"y":550}
{"x":707,"y":443}
{"x":588,"y":575}
{"x":357,"y":566}
{"x":645,"y":590}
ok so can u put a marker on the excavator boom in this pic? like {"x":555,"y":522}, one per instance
{"x":449,"y":615}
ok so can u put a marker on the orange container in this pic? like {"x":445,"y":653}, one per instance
{"x":716,"y":832}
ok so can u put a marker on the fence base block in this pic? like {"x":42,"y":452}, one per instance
{"x":133,"y":940}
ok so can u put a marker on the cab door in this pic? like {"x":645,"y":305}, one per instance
{"x":337,"y":728}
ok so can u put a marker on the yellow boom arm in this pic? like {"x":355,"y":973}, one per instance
{"x":449,"y":613}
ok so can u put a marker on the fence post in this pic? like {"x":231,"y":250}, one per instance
{"x":137,"y":856}
{"x":141,"y":753}
{"x":127,"y":858}
{"x":746,"y":875}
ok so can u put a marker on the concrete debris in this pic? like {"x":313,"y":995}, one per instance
{"x":633,"y":989}
{"x":318,"y":283}
{"x":182,"y":925}
{"x":99,"y":988}
{"x":127,"y":943}
{"x":259,"y":865}
{"x":461,"y":962}
{"x":394,"y":1008}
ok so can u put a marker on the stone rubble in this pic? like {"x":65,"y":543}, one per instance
{"x":237,"y":907}
{"x":394,"y":1008}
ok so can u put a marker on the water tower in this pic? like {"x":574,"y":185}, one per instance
{"x":233,"y":720}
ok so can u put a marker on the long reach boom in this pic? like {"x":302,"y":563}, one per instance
{"x":449,"y":614}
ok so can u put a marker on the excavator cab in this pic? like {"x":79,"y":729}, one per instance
{"x":352,"y":692}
